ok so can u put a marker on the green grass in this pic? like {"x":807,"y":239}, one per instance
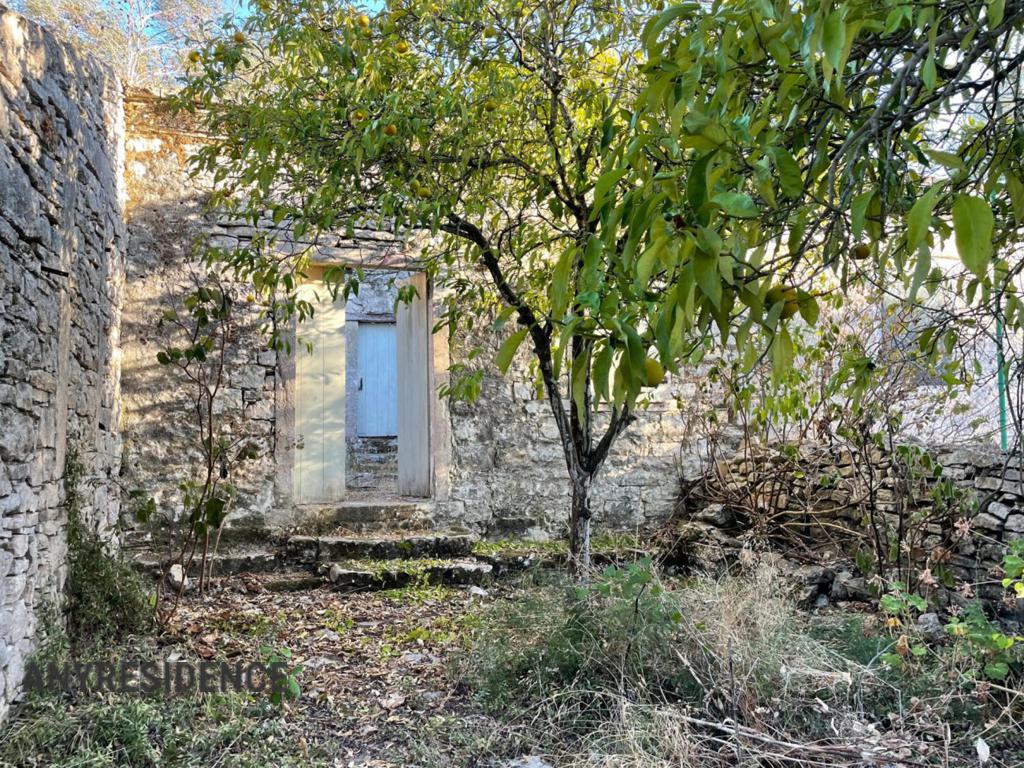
{"x":600,"y":545}
{"x":233,"y":731}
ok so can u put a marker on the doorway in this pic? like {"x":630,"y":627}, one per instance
{"x":364,"y":398}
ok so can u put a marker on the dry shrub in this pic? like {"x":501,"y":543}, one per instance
{"x":632,"y":671}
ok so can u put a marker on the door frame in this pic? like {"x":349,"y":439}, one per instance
{"x":439,"y":416}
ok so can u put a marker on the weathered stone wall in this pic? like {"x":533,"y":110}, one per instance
{"x":62,"y":245}
{"x":166,"y":228}
{"x":508,"y":473}
{"x":951,"y":512}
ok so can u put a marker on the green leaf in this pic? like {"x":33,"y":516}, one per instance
{"x":809,"y":311}
{"x":736,"y":204}
{"x":708,"y":277}
{"x":602,"y":369}
{"x":790,"y":178}
{"x":604,"y":185}
{"x":994,"y":16}
{"x":215,"y":507}
{"x":509,"y":348}
{"x":858,"y":211}
{"x":997,"y":670}
{"x":834,"y":38}
{"x":972,"y":225}
{"x":920,"y":217}
{"x":921,"y":270}
{"x":782,"y":354}
{"x":928,"y":72}
{"x":947,"y":159}
{"x":560,"y":281}
{"x":697,"y":181}
{"x":1015,"y":188}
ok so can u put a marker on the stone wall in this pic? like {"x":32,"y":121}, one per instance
{"x":62,"y":242}
{"x":508,"y":474}
{"x":950,"y":510}
{"x":166,"y":228}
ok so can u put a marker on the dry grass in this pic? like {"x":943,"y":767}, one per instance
{"x":706,"y":673}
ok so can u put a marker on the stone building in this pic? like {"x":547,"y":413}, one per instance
{"x":100,"y":222}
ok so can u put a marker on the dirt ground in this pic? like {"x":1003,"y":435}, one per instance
{"x":379,"y":679}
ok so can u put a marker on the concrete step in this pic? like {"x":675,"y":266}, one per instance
{"x":356,"y":575}
{"x":309,"y":550}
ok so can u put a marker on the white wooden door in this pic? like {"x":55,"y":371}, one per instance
{"x":378,"y":380}
{"x":320,"y":400}
{"x":415,"y":392}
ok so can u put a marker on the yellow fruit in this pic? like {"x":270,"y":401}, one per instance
{"x":784,"y":294}
{"x":655,"y":373}
{"x":861,"y":251}
{"x":358,"y":116}
{"x":239,"y":37}
{"x":422,"y":191}
{"x":490,"y":105}
{"x":390,"y":129}
{"x":363,"y":21}
{"x":194,"y":57}
{"x":402,"y":47}
{"x":490,"y":32}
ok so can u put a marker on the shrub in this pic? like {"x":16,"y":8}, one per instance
{"x":729,"y":646}
{"x":106,"y":598}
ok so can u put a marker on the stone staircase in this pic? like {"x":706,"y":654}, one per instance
{"x":375,"y":515}
{"x":373,"y":465}
{"x":339,"y":558}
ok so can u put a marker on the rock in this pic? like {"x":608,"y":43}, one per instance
{"x":1015,"y":524}
{"x":177,"y":580}
{"x":528,"y":762}
{"x":479,"y":591}
{"x":847,"y":586}
{"x":716,"y":514}
{"x":929,"y":625}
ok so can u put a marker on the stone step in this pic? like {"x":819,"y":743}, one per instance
{"x":225,"y":563}
{"x":382,"y":482}
{"x":374,"y":459}
{"x":373,"y":516}
{"x":320,"y":549}
{"x":293,"y":581}
{"x":356,"y":575}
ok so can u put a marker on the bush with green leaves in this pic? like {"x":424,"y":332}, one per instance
{"x":105,"y":596}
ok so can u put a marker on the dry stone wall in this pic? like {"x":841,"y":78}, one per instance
{"x":508,"y":474}
{"x":951,"y":511}
{"x":62,"y":241}
{"x":167,"y":226}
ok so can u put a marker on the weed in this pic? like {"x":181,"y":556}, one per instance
{"x":245,"y":623}
{"x":419,"y":592}
{"x":110,"y":731}
{"x":105,"y":596}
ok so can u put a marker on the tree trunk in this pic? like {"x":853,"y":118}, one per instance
{"x":579,"y":523}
